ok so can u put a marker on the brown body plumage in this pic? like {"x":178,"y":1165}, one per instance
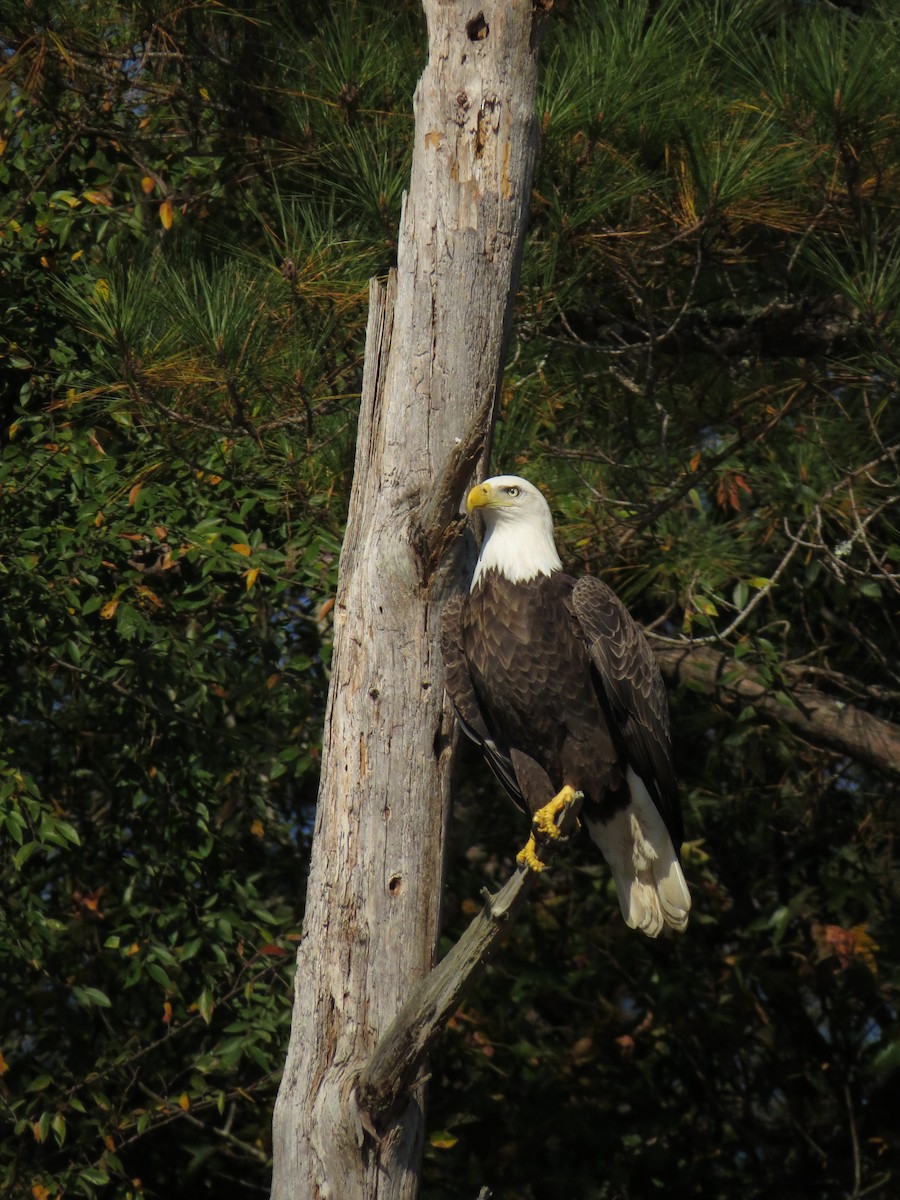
{"x":552,"y":677}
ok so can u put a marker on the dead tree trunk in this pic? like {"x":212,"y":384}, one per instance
{"x":434,"y":353}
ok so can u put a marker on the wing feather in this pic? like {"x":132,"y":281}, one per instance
{"x":634,"y":692}
{"x":464,"y":697}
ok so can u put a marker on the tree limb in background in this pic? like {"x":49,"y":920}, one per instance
{"x":809,"y":712}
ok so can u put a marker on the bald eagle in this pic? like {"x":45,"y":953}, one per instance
{"x":557,"y":684}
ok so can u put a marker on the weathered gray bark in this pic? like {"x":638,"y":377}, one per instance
{"x":435,"y":345}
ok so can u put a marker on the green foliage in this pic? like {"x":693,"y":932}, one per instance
{"x":703,"y":373}
{"x":159,"y":622}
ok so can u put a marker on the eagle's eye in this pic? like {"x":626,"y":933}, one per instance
{"x":511,"y":491}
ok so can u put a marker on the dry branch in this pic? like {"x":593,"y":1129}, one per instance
{"x":396,"y":1059}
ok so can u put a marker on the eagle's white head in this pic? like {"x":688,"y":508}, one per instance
{"x":518,"y":540}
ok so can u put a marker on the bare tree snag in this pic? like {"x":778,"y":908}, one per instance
{"x":434,"y":354}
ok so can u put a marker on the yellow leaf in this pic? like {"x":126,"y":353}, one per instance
{"x":147,"y":185}
{"x":44,"y":262}
{"x":98,"y":198}
{"x":214,"y":479}
{"x":101,"y":288}
{"x":204,"y":93}
{"x":75,"y":257}
{"x":757,"y":581}
{"x":165,"y":214}
{"x":184,"y":1101}
{"x":442,"y":1139}
{"x":250,"y":576}
{"x":865,"y":947}
{"x":108,"y":611}
{"x":39,"y":1192}
{"x":258,"y":829}
{"x":241,"y":548}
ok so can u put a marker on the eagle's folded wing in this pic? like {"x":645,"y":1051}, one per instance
{"x":461,"y":691}
{"x":634,"y":692}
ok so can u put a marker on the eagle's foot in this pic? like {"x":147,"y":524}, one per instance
{"x":527,"y":856}
{"x":545,"y":827}
{"x":545,"y":823}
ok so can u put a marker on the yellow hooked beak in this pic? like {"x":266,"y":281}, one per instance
{"x":479,"y":497}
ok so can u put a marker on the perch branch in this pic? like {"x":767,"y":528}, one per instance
{"x":397,"y":1057}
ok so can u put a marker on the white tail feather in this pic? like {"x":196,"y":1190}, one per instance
{"x":649,"y":881}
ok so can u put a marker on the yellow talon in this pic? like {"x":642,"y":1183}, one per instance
{"x":527,"y":857}
{"x":544,"y":821}
{"x":544,"y":827}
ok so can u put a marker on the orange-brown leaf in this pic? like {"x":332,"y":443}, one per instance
{"x":847,"y":945}
{"x":150,"y":596}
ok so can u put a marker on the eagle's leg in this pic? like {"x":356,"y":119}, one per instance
{"x":545,"y":827}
